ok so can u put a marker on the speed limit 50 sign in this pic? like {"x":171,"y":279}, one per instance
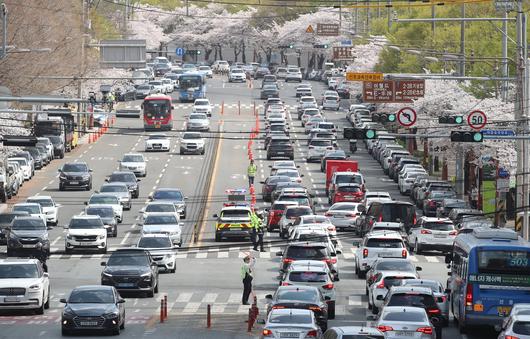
{"x":477,"y":119}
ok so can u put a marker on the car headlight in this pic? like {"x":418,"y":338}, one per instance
{"x":111,"y":315}
{"x":86,"y":176}
{"x":106,"y":275}
{"x":35,"y":287}
{"x":68,"y":313}
{"x":101,"y":237}
{"x":69,"y":237}
{"x":13,"y":236}
{"x":168,"y":256}
{"x":146,"y":276}
{"x":62,"y":176}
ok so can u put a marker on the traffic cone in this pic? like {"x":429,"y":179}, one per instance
{"x":89,"y":137}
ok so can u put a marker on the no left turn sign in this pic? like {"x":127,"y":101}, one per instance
{"x":407,"y":116}
{"x":477,"y":119}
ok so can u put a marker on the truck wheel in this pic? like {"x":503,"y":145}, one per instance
{"x":217,"y":237}
{"x":331,"y":310}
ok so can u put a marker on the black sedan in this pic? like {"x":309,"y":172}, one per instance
{"x":301,"y":297}
{"x":93,"y":308}
{"x":270,"y":184}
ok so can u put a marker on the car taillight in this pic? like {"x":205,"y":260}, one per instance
{"x":441,"y":299}
{"x":425,"y":232}
{"x":453,"y":233}
{"x":351,"y":215}
{"x":384,"y":328}
{"x":380,"y":218}
{"x":426,"y":330}
{"x":329,"y":148}
{"x":469,"y":295}
{"x":328,"y":286}
{"x":311,"y":334}
{"x":365,"y":253}
{"x":327,"y":214}
{"x":287,"y":260}
{"x":414,"y":219}
{"x":433,"y":311}
{"x":510,"y":337}
{"x":432,"y":203}
{"x":276,"y":307}
{"x":331,"y":228}
{"x":403,"y":253}
{"x":381,"y":284}
{"x":266,"y":332}
{"x":314,"y":308}
{"x":285,"y":284}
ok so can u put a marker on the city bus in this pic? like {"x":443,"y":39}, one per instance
{"x":191,"y":86}
{"x":157,"y":112}
{"x":490,"y":272}
{"x":70,"y":127}
{"x":58,"y":122}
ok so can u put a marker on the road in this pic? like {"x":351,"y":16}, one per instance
{"x":207,"y":272}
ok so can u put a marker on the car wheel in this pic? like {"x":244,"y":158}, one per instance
{"x":156,"y":287}
{"x":174,"y":267}
{"x":104,"y":250}
{"x":375,"y":309}
{"x":324,"y":326}
{"x":61,"y":187}
{"x":150,"y":293}
{"x":89,"y":186}
{"x":40,"y":310}
{"x":47,"y":303}
{"x":217,"y":237}
{"x":67,"y":250}
{"x":64,"y":332}
{"x":331,"y":310}
{"x":115,"y":232}
{"x":116,"y":331}
{"x":417,"y":247}
{"x":120,"y":220}
{"x":122,"y":326}
{"x":202,"y":152}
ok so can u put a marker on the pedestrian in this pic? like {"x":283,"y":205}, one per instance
{"x":257,"y":231}
{"x":246,"y":276}
{"x":251,"y":172}
{"x":474,"y":197}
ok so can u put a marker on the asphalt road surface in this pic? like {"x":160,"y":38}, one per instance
{"x":207,"y":272}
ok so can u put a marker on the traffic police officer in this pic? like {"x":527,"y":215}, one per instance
{"x":251,"y":172}
{"x":257,"y":231}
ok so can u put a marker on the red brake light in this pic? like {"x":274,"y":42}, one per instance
{"x":380,"y":218}
{"x":365,"y":253}
{"x":351,"y":215}
{"x":426,"y":330}
{"x":453,"y":233}
{"x":278,"y":307}
{"x":414,"y":219}
{"x":432,"y":203}
{"x":287,"y":260}
{"x":383,"y":328}
{"x":426,"y":232}
{"x":327,"y":214}
{"x":314,"y":308}
{"x":433,"y":311}
{"x":469,"y":295}
{"x":381,"y":284}
{"x":312,"y":334}
{"x":441,"y":299}
{"x":266,"y":332}
{"x":285,"y":284}
{"x":510,"y":337}
{"x":404,"y":253}
{"x":328,"y":286}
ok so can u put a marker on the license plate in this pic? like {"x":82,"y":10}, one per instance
{"x":28,"y":246}
{"x":504,"y":310}
{"x":74,"y":182}
{"x":235,"y":228}
{"x":440,"y":236}
{"x":407,"y":334}
{"x":157,"y":126}
{"x":125,"y":285}
{"x":281,"y":152}
{"x":386,"y":254}
{"x":88,"y":323}
{"x":339,"y":216}
{"x":11,"y":300}
{"x":349,"y":197}
{"x":84,"y":243}
{"x":290,"y":335}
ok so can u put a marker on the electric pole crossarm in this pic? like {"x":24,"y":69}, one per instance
{"x":453,"y":19}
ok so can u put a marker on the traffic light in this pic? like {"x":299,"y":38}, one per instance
{"x":359,"y":133}
{"x":16,"y":140}
{"x":383,"y":117}
{"x":291,"y":46}
{"x":320,"y":46}
{"x":466,"y":136}
{"x":193,"y":52}
{"x":451,"y":119}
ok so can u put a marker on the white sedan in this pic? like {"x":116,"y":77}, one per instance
{"x":202,"y":106}
{"x":157,"y":142}
{"x":343,"y":214}
{"x":49,"y":207}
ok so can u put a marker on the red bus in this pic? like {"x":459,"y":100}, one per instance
{"x":157,"y":110}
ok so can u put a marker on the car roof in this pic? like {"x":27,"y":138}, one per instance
{"x":26,"y":204}
{"x":385,"y":235}
{"x":405,"y":289}
{"x":435,"y":219}
{"x":40,"y":197}
{"x":18,"y":261}
{"x":357,"y":330}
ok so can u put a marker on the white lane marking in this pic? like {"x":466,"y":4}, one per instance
{"x":133,"y":225}
{"x":413,"y":258}
{"x":209,"y":297}
{"x":55,"y":241}
{"x":216,"y":308}
{"x":432,"y":259}
{"x":44,"y":188}
{"x":51,"y":182}
{"x":222,"y":255}
{"x":201,"y":255}
{"x":191,"y":308}
{"x":160,"y":175}
{"x":184,"y":297}
{"x":234,"y":298}
{"x":354,"y":300}
{"x":125,"y":238}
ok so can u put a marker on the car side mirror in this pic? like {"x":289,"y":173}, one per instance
{"x":137,"y":179}
{"x":172,"y":107}
{"x":279,"y":253}
{"x":121,"y":301}
{"x":86,"y":202}
{"x":103,"y":263}
{"x":90,"y":170}
{"x":448,"y":258}
{"x":327,"y":298}
{"x":58,"y":205}
{"x":261,"y":321}
{"x":62,"y":301}
{"x":301,"y":175}
{"x":418,"y":268}
{"x":49,"y":228}
{"x":262,"y":182}
{"x":215,"y":216}
{"x":107,"y":179}
{"x":185,"y":198}
{"x":268,"y":296}
{"x":449,"y":273}
{"x":361,"y":208}
{"x":380,"y":297}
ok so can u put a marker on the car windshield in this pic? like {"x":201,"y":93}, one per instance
{"x":409,"y":316}
{"x":191,"y":136}
{"x":170,"y":195}
{"x":160,"y":220}
{"x":308,"y":277}
{"x":350,"y":189}
{"x":144,"y":87}
{"x":160,"y":208}
{"x":198,"y":117}
{"x":27,"y":208}
{"x":7,"y":218}
{"x":395,"y":265}
{"x":75,"y":168}
{"x":384,"y":243}
{"x":392,"y":212}
{"x":28,"y":224}
{"x":348,"y":179}
{"x":106,"y":200}
{"x":81,"y":223}
{"x":133,"y":158}
{"x":307,"y":252}
{"x":235,"y":214}
{"x":296,"y":212}
{"x":96,"y":296}
{"x":42,"y":202}
{"x":412,"y":299}
{"x":298,"y":294}
{"x":155,"y":242}
{"x":439,"y":226}
{"x":157,"y":137}
{"x":102,"y":212}
{"x":122,"y":177}
{"x":55,"y":139}
{"x":343,"y":207}
{"x":18,"y":271}
{"x":201,"y":102}
{"x":114,"y":188}
{"x":122,"y":258}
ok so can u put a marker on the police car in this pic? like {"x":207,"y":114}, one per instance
{"x":234,"y":219}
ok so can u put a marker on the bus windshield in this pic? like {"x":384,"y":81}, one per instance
{"x":156,"y":108}
{"x":504,"y":262}
{"x":190,"y":81}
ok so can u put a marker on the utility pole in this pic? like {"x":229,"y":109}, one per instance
{"x":3,"y":10}
{"x":433,"y":24}
{"x":187,"y":8}
{"x":463,"y":41}
{"x":389,"y":15}
{"x":504,"y":61}
{"x":521,"y":114}
{"x":125,"y":17}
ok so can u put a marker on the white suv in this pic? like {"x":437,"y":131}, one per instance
{"x":49,"y":207}
{"x":24,"y":285}
{"x":202,"y":106}
{"x":134,"y":162}
{"x":86,"y":231}
{"x":237,"y":74}
{"x":293,"y":74}
{"x":432,"y":234}
{"x":380,"y":244}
